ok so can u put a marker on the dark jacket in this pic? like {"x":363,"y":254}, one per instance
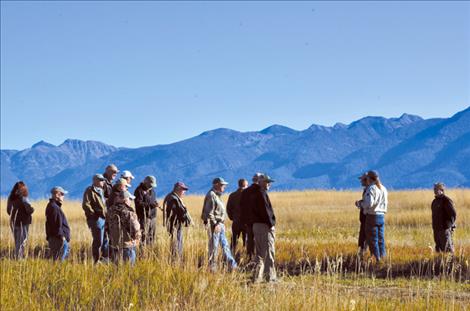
{"x":107,"y":190}
{"x":20,"y":211}
{"x":443,"y":213}
{"x":246,"y":204}
{"x":93,"y":203}
{"x":145,"y":202}
{"x":262,"y":208}
{"x":233,"y":206}
{"x":177,"y":214}
{"x":56,"y":222}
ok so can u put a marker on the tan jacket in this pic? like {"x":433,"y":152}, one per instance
{"x":124,"y":227}
{"x":213,"y":211}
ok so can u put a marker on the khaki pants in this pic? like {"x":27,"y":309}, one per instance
{"x":265,"y":251}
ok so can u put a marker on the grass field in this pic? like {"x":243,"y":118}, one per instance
{"x":315,"y":256}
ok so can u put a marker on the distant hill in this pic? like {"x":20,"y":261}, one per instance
{"x":409,"y":152}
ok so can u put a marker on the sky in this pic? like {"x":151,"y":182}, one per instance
{"x":135,"y":74}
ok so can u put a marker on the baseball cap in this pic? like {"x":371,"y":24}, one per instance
{"x":127,"y":174}
{"x":256,"y":176}
{"x":58,"y":189}
{"x":266,"y":178}
{"x":219,"y":180}
{"x":151,"y":180}
{"x":99,"y":177}
{"x":181,"y":185}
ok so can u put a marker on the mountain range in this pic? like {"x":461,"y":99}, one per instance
{"x":409,"y":152}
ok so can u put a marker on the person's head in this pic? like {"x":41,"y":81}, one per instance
{"x":124,"y":197}
{"x":98,"y":180}
{"x":242,"y":184}
{"x":121,"y":184}
{"x":127,"y":175}
{"x":19,"y":190}
{"x":219,"y":184}
{"x":439,"y":189}
{"x":58,"y":193}
{"x":180,"y":188}
{"x":373,"y":179}
{"x":363,"y":179}
{"x":111,"y":172}
{"x":150,"y":182}
{"x":265,"y":181}
{"x":255,"y":177}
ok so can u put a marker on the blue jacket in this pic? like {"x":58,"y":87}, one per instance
{"x":56,"y":222}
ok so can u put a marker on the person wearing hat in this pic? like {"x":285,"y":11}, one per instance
{"x":94,"y":205}
{"x":57,"y":226}
{"x":443,"y":219}
{"x":127,"y":175}
{"x":246,"y":217}
{"x":264,"y":222}
{"x":234,"y":214}
{"x":177,"y":217}
{"x":146,"y":207}
{"x":375,"y":205}
{"x":109,"y":175}
{"x":124,"y":228}
{"x":120,"y":185}
{"x":361,"y":242}
{"x":213,"y":216}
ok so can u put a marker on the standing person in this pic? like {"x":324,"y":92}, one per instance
{"x":264,"y":222}
{"x":120,"y":185}
{"x":146,"y":207}
{"x":177,"y":216}
{"x":246,"y":217}
{"x":443,"y":219}
{"x":362,"y":243}
{"x":20,"y":210}
{"x":124,"y":228}
{"x":234,"y":214}
{"x":213,"y":216}
{"x":127,"y":175}
{"x":95,"y":212}
{"x":57,"y":227}
{"x":109,"y":175}
{"x":375,"y":207}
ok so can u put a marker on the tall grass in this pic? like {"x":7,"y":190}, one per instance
{"x":315,"y":255}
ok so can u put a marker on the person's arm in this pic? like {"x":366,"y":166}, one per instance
{"x":135,"y":232}
{"x":55,"y":223}
{"x":230,"y":207}
{"x":369,"y":199}
{"x":86,"y":203}
{"x":450,"y":211}
{"x":211,"y":210}
{"x":9,"y":206}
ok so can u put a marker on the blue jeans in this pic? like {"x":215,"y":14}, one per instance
{"x":59,"y":248}
{"x":100,"y":247}
{"x":20,"y":233}
{"x":177,"y":243}
{"x":217,"y":238}
{"x":375,"y":235}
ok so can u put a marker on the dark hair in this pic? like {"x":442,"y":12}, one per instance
{"x":19,"y":190}
{"x":241,"y":182}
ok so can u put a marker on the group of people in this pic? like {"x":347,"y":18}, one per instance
{"x":120,"y":221}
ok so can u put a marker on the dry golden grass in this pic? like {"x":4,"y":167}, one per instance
{"x":315,"y":254}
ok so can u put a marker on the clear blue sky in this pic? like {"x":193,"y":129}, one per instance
{"x":145,"y":73}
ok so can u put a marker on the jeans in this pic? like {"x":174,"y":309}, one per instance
{"x":375,"y":235}
{"x":100,"y":247}
{"x":215,"y":239}
{"x":177,"y":243}
{"x":443,"y":240}
{"x":265,"y":251}
{"x":237,"y":230}
{"x":59,"y":248}
{"x":20,"y":233}
{"x":126,"y":254}
{"x":148,"y":227}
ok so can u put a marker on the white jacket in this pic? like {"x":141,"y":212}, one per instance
{"x":375,"y":200}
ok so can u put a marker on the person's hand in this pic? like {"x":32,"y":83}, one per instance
{"x":218,"y":228}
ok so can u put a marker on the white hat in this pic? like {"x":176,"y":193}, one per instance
{"x":127,"y":174}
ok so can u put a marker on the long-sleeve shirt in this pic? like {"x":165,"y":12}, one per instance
{"x":263,"y":211}
{"x":93,"y":203}
{"x":56,"y":222}
{"x":375,"y":200}
{"x":443,"y":213}
{"x":233,"y":206}
{"x":213,"y":211}
{"x":145,"y":202}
